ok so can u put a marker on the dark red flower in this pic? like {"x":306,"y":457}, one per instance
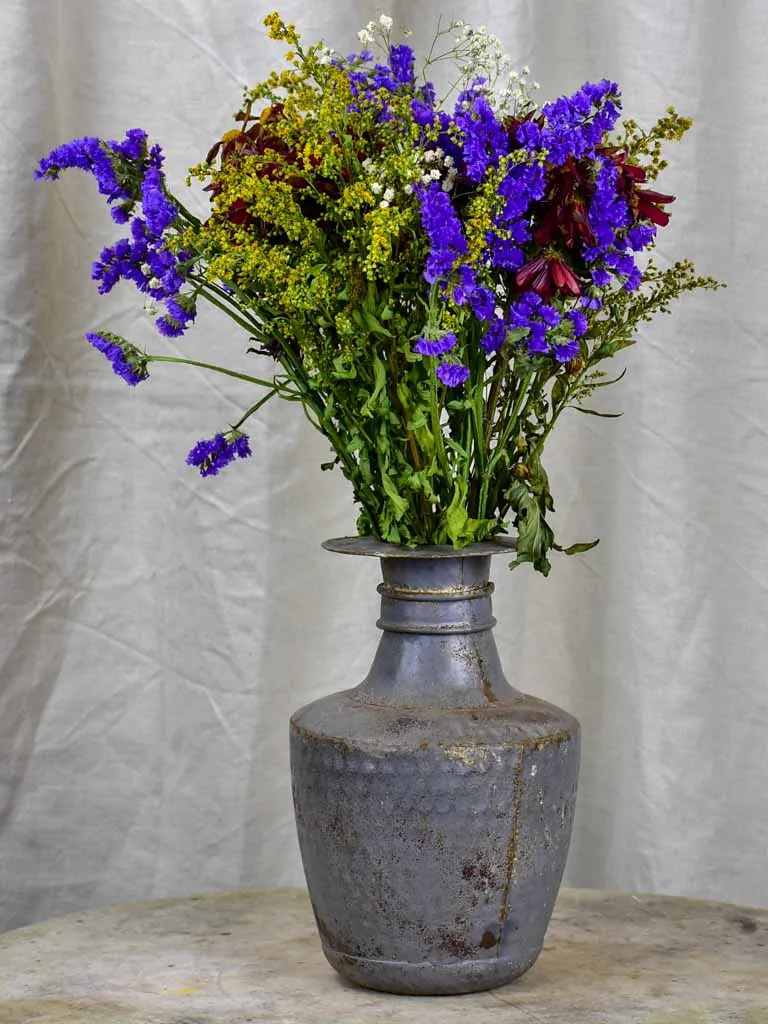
{"x":563,"y":211}
{"x":546,"y":275}
{"x":644,"y":203}
{"x":647,"y":206}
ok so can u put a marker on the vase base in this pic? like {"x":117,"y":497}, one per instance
{"x":427,"y":979}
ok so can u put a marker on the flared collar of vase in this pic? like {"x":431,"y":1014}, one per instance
{"x":381,"y":549}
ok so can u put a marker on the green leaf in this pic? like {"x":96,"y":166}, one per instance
{"x":456,"y":517}
{"x":594,"y":412}
{"x":606,"y":383}
{"x":558,"y":391}
{"x":517,"y":333}
{"x":379,"y":384}
{"x":577,"y":549}
{"x":374,"y":325}
{"x":397,"y":502}
{"x":534,"y":535}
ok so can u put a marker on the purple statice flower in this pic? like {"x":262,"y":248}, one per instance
{"x":443,"y":229}
{"x":532,"y":313}
{"x":608,"y":211}
{"x":641,"y":236}
{"x":128,"y":173}
{"x":209,"y":456}
{"x":579,"y":322}
{"x":401,"y":61}
{"x":494,"y":335}
{"x":132,"y":147}
{"x":564,"y":352}
{"x":452,"y":374}
{"x":99,"y":157}
{"x":523,"y":184}
{"x":466,"y":285}
{"x":484,"y":140}
{"x":574,"y":125}
{"x":483,"y":303}
{"x":436,"y":347}
{"x":159,"y":211}
{"x":126,"y":360}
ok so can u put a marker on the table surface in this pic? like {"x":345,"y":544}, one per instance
{"x":254,"y":958}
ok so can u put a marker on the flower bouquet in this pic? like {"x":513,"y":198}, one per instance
{"x":434,"y":279}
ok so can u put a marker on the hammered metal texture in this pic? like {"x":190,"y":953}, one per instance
{"x":434,"y":802}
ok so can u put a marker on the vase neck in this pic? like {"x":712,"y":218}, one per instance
{"x":437,"y":645}
{"x":436,"y":596}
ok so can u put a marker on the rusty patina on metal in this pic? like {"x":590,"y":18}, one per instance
{"x":434,"y":801}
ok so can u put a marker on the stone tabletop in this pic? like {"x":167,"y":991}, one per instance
{"x":254,"y":958}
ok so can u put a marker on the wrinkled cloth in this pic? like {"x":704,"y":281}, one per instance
{"x":158,"y":629}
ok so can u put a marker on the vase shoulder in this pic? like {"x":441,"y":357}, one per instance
{"x":520,"y":720}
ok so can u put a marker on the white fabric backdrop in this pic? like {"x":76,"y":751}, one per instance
{"x":158,"y":629}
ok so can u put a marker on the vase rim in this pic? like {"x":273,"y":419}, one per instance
{"x":382,"y":549}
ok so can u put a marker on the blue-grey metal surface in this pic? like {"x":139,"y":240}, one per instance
{"x":434,"y":802}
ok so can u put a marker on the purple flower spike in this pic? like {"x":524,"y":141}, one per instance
{"x":209,"y":456}
{"x":425,"y":347}
{"x":452,"y":374}
{"x":126,"y":360}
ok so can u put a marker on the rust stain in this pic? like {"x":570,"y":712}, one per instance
{"x":517,"y":799}
{"x":488,"y":693}
{"x":489,"y":940}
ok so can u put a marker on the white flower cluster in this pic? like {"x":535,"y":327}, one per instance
{"x":515,"y":95}
{"x":481,"y":54}
{"x":378,"y":187}
{"x":441,"y":167}
{"x":324,"y":54}
{"x":430,"y":165}
{"x":367,"y":35}
{"x":480,"y":49}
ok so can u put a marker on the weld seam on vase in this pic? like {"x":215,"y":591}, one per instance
{"x":434,"y":802}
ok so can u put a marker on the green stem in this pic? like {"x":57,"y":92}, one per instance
{"x":511,"y":422}
{"x":193,"y":220}
{"x":211,"y":366}
{"x":255,"y":408}
{"x":205,"y":290}
{"x":556,"y":412}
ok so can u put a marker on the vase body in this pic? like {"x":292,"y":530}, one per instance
{"x":433,"y":802}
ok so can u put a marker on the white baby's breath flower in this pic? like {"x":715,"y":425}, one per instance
{"x":435,"y":174}
{"x":448,"y":161}
{"x":384,"y":204}
{"x":408,"y":188}
{"x":535,"y":85}
{"x":498,"y":312}
{"x":146,"y":270}
{"x":389,"y":194}
{"x":499,"y":289}
{"x":155,"y":282}
{"x":365,"y":36}
{"x":429,"y":156}
{"x":525,"y":70}
{"x":426,"y":179}
{"x":385,"y":21}
{"x":513,"y":75}
{"x":377,"y":188}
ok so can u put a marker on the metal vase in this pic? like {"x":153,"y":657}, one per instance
{"x":433,"y":802}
